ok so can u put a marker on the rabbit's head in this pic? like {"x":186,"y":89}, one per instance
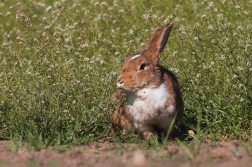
{"x":142,"y":70}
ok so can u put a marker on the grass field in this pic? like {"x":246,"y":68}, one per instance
{"x":59,"y":61}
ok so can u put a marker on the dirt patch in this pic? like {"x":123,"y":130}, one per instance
{"x":221,"y":154}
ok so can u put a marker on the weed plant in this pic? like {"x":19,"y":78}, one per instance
{"x":59,"y":61}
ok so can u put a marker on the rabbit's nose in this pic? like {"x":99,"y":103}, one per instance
{"x":120,"y":81}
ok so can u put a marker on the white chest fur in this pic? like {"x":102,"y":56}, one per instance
{"x":149,"y":105}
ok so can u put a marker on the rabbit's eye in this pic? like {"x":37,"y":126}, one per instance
{"x":142,"y":67}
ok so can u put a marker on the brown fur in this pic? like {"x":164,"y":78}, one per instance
{"x":133,"y":80}
{"x":119,"y":116}
{"x":172,"y":88}
{"x":153,"y":75}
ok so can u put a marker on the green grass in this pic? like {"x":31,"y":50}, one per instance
{"x":59,"y":62}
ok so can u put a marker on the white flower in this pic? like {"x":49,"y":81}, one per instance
{"x":241,"y":99}
{"x":68,"y":39}
{"x":247,"y":46}
{"x":211,"y":4}
{"x":17,"y":17}
{"x":85,"y":45}
{"x":237,"y":7}
{"x":240,"y":68}
{"x":240,"y":85}
{"x":211,"y":64}
{"x":131,"y":31}
{"x":48,"y":8}
{"x":43,"y":18}
{"x":248,"y":64}
{"x":234,"y":76}
{"x":239,"y":28}
{"x":35,"y":39}
{"x":40,"y":4}
{"x":104,"y":3}
{"x":222,"y":57}
{"x":145,"y":16}
{"x":203,"y":16}
{"x":210,"y":27}
{"x":58,"y":40}
{"x":58,"y":4}
{"x":47,"y":27}
{"x":154,"y":16}
{"x":220,"y":16}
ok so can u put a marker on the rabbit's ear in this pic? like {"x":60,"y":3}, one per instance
{"x":157,"y":42}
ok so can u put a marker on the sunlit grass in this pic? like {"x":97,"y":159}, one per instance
{"x":59,"y":61}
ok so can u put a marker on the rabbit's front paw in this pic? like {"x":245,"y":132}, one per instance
{"x":148,"y":135}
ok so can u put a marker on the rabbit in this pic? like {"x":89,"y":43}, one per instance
{"x":151,"y":92}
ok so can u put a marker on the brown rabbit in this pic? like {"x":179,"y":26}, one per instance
{"x":153,"y":97}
